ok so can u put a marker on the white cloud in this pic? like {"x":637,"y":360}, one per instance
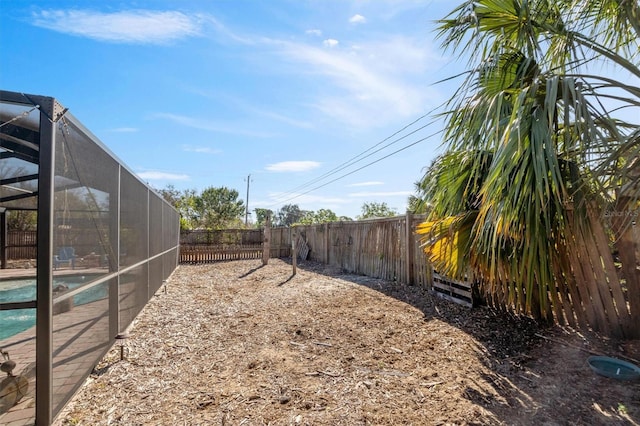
{"x":314,"y":32}
{"x":201,"y":149}
{"x":211,"y":126}
{"x":330,"y":42}
{"x":135,"y":26}
{"x":366,"y":83}
{"x":369,"y":86}
{"x":370,"y":183}
{"x":357,"y":19}
{"x":124,"y":130}
{"x":156,"y":175}
{"x":293,"y":166}
{"x":380,"y":194}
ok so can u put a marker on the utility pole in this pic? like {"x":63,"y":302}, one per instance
{"x":246,"y":211}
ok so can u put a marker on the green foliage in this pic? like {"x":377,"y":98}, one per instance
{"x":22,"y":220}
{"x":171,"y":195}
{"x":376,"y":210}
{"x":261,"y":216}
{"x":185,"y":202}
{"x":528,"y":133}
{"x":289,"y":214}
{"x":418,"y":203}
{"x":219,"y":208}
{"x":321,"y":216}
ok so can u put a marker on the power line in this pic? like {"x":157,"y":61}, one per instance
{"x":362,"y":156}
{"x":358,"y":169}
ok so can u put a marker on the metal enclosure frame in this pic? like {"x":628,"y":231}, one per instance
{"x":123,"y":236}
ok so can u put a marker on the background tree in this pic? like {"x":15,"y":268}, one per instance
{"x":261,"y":216}
{"x":321,"y":216}
{"x":324,"y":216}
{"x":22,"y":220}
{"x":375,"y":209}
{"x":185,"y":203}
{"x":219,"y":208}
{"x":187,"y":207}
{"x":171,"y":195}
{"x":289,"y":214}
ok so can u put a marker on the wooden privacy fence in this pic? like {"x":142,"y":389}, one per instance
{"x":21,"y":245}
{"x":380,"y":248}
{"x":204,"y":246}
{"x":206,"y":253}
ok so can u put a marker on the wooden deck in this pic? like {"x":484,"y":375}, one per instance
{"x":80,"y":337}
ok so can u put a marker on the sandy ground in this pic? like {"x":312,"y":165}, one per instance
{"x":238,"y":343}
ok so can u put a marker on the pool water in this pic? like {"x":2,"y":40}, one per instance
{"x":23,"y":290}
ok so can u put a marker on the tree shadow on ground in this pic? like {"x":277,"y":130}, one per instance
{"x":539,"y":371}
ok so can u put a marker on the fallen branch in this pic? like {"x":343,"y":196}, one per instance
{"x":319,"y":372}
{"x":327,"y":373}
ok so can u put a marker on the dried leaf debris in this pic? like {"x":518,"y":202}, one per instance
{"x":238,"y":343}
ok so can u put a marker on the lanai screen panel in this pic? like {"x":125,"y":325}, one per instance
{"x":95,"y":235}
{"x":134,"y":246}
{"x":85,"y":211}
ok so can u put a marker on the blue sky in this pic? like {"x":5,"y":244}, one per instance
{"x":205,"y":93}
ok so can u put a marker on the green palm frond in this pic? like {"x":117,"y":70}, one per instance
{"x":529,"y":134}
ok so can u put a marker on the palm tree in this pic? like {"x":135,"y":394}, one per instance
{"x":537,"y":152}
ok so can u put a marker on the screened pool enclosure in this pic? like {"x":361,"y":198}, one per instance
{"x":103,"y":245}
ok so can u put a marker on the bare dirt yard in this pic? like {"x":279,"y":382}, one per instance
{"x":238,"y":343}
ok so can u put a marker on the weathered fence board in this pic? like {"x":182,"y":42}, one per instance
{"x":217,"y":253}
{"x":377,"y":248}
{"x":21,"y":245}
{"x":204,"y":246}
{"x":452,"y":290}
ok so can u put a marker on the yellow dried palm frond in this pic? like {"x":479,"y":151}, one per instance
{"x":446,"y":243}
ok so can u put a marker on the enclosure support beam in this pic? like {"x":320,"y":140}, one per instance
{"x":44,"y":292}
{"x":113,"y":259}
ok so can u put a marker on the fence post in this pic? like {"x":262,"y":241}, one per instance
{"x":410,"y":245}
{"x":326,"y":243}
{"x":266,"y":242}
{"x":294,"y":255}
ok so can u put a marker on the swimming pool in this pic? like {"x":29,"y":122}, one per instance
{"x":24,"y":289}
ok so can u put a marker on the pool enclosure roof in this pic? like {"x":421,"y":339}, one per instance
{"x":20,"y":149}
